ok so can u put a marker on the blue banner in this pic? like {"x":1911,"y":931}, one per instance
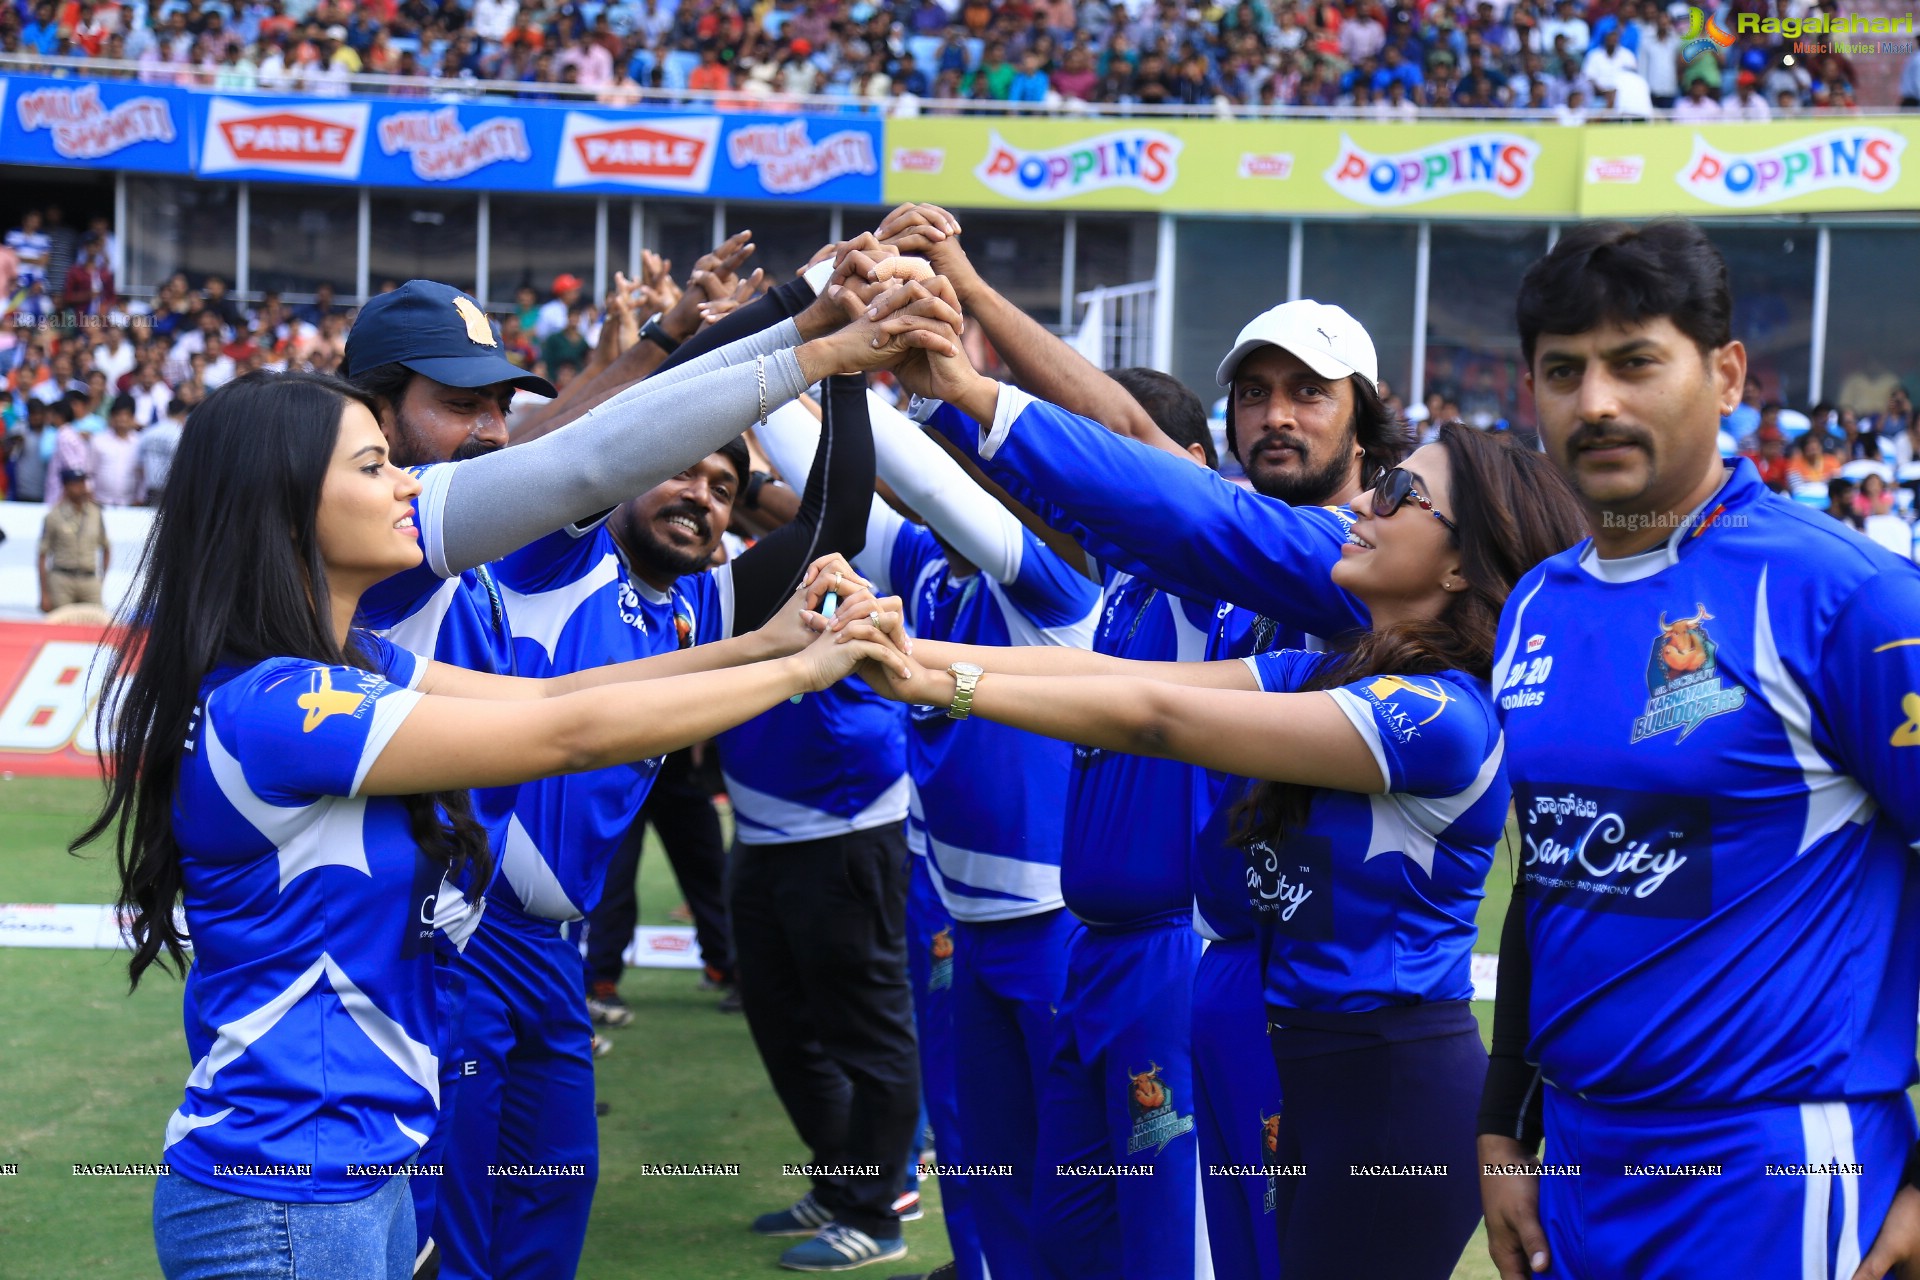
{"x":399,"y":142}
{"x":106,"y":124}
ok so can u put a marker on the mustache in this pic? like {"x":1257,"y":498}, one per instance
{"x":1277,"y":444}
{"x":1590,"y":435}
{"x":475,"y":449}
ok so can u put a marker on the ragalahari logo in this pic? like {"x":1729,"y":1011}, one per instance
{"x":312,"y":140}
{"x":1499,"y":164}
{"x":84,"y":128}
{"x":442,"y":149}
{"x":1704,"y":35}
{"x":1144,"y":159}
{"x":662,"y":154}
{"x":1861,"y":158}
{"x":789,"y":161}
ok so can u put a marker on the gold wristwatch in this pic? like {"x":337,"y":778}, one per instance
{"x":965,"y":676}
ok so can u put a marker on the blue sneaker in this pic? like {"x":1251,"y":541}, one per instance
{"x":839,"y":1247}
{"x":802,"y":1218}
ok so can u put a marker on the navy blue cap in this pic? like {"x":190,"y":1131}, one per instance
{"x":438,"y":332}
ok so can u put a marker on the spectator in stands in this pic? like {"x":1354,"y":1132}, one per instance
{"x":29,"y":242}
{"x":74,"y":554}
{"x":554,"y":315}
{"x":89,"y":288}
{"x":113,"y":355}
{"x":1747,"y":103}
{"x":158,"y":443}
{"x":569,"y":345}
{"x":1842,"y":504}
{"x":1810,"y":462}
{"x":114,"y":459}
{"x":1874,"y":498}
{"x":1769,"y":457}
{"x":31,"y":453}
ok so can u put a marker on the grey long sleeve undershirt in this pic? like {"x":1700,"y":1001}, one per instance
{"x":494,"y":505}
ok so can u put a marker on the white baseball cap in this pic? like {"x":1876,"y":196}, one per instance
{"x":1333,"y":343}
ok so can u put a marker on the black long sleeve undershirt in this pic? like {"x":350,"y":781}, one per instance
{"x":1512,"y":1102}
{"x":833,"y":508}
{"x":782,"y":302}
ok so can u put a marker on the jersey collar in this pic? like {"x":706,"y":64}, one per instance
{"x":1740,"y":488}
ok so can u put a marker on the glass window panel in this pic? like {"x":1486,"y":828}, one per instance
{"x":785,"y":238}
{"x":179,"y":226}
{"x":424,"y":236}
{"x":1873,"y":316}
{"x":1111,"y":251}
{"x":1225,"y":272}
{"x":1021,"y":255}
{"x":1367,"y":268}
{"x":679,"y":232}
{"x":534,"y":238}
{"x":1772,"y":273}
{"x":1473,"y":349}
{"x":298,"y":237}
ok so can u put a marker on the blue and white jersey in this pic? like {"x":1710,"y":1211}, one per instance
{"x":988,"y":800}
{"x":832,"y":763}
{"x":310,"y":1006}
{"x":1371,"y":904}
{"x":1715,"y":754}
{"x":459,"y":619}
{"x":575,"y":607}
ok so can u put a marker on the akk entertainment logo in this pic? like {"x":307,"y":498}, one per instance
{"x":1683,"y":679}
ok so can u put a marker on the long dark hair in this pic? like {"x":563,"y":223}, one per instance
{"x":1513,"y":510}
{"x":231,"y":573}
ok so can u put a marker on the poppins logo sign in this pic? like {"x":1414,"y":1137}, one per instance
{"x":442,"y":149}
{"x":1144,"y":159}
{"x":1860,"y":158}
{"x":1499,"y":164}
{"x":789,"y":161}
{"x":83,"y":128}
{"x":311,"y":141}
{"x":673,"y":154}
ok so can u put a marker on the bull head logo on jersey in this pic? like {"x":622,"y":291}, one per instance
{"x":1270,"y":1135}
{"x":1685,"y":646}
{"x":1149,"y":1092}
{"x":942,"y":945}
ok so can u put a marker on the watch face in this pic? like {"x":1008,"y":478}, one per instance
{"x":967,"y":669}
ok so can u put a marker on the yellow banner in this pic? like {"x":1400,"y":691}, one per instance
{"x":1811,"y":166}
{"x":1207,"y":166}
{"x":1285,"y":167}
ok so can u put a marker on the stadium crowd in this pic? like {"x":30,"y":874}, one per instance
{"x":1389,"y":60}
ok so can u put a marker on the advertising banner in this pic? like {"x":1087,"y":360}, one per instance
{"x":50,"y":678}
{"x":110,"y":124}
{"x":1272,"y":166}
{"x":1825,"y":165}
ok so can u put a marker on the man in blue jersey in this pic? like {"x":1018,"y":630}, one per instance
{"x":633,"y":586}
{"x":432,"y":360}
{"x":987,"y":930}
{"x":1711,"y":725}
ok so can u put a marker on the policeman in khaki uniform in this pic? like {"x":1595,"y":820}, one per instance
{"x":73,"y":546}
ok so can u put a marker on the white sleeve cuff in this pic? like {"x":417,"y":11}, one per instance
{"x":1360,"y":715}
{"x":1012,"y":403}
{"x":432,"y":506}
{"x":389,"y":713}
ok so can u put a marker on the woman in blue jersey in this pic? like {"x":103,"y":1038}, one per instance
{"x":297,"y":787}
{"x":1367,"y":843}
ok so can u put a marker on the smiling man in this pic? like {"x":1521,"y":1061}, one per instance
{"x":1709,"y":709}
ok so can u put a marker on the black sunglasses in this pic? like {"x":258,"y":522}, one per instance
{"x":1391,"y":489}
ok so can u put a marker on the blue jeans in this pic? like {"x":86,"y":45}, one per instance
{"x":204,"y":1234}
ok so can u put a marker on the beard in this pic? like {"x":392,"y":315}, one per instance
{"x":414,"y":447}
{"x":1309,"y":485}
{"x":652,"y":552}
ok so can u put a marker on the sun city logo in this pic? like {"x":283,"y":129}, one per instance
{"x":940,"y":948}
{"x":442,"y":149}
{"x":790,"y":162}
{"x":1155,"y":1122}
{"x":1862,"y":158}
{"x":1683,"y":679}
{"x":1704,"y":35}
{"x":1144,"y":159}
{"x":84,"y":129}
{"x":1498,"y":164}
{"x":672,"y":155}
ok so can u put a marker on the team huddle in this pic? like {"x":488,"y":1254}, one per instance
{"x":1130,"y":821}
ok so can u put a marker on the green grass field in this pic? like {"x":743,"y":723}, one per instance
{"x":91,"y":1075}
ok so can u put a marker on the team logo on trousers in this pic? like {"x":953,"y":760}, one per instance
{"x":1683,"y":679}
{"x":1270,"y":1155}
{"x":940,"y":977}
{"x":1155,"y":1121}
